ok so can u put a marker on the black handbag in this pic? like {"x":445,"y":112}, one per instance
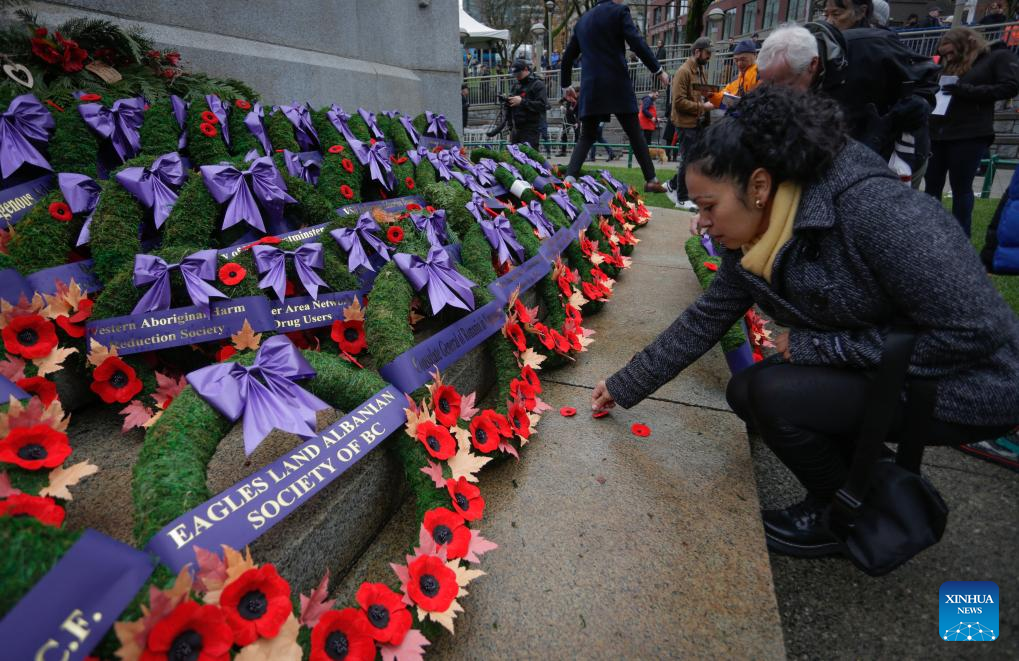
{"x":886,"y":513}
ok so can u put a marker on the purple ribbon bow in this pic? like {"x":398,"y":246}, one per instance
{"x":415,"y":155}
{"x":264,"y":394}
{"x":436,"y":124}
{"x":536,"y":217}
{"x":592,"y":183}
{"x":353,"y":240}
{"x":433,"y":225}
{"x":302,"y":168}
{"x":477,"y":207}
{"x":441,"y":163}
{"x":509,"y":167}
{"x":563,"y":200}
{"x":521,"y":157}
{"x":180,"y":113}
{"x":369,"y":119}
{"x":589,"y":195}
{"x":24,"y":126}
{"x":444,"y":283}
{"x":156,"y":186}
{"x":271,"y":263}
{"x":248,"y":191}
{"x":196,"y":269}
{"x":119,"y":124}
{"x":82,"y":195}
{"x":485,"y":171}
{"x":340,"y":120}
{"x":411,"y":131}
{"x":501,"y":237}
{"x":391,"y":114}
{"x":300,"y":116}
{"x":376,"y":157}
{"x":469,"y":182}
{"x":615,"y":183}
{"x":222,"y":112}
{"x":253,"y":120}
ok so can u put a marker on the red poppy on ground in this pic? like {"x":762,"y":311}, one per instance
{"x":447,"y":527}
{"x":639,"y":429}
{"x":115,"y":381}
{"x":524,"y":393}
{"x":516,"y":336}
{"x":346,"y":191}
{"x":45,"y":510}
{"x":208,"y":129}
{"x":485,"y":434}
{"x":409,"y":181}
{"x":394,"y":234}
{"x":256,"y":604}
{"x":225,"y":352}
{"x":522,"y":314}
{"x":438,"y":442}
{"x":231,"y":273}
{"x":88,"y":98}
{"x":45,"y":51}
{"x":41,"y":387}
{"x":531,"y":378}
{"x":564,"y":286}
{"x":519,"y":420}
{"x":413,"y":206}
{"x":432,"y":585}
{"x":29,"y":336}
{"x":388,"y":617}
{"x":599,"y":414}
{"x":190,"y":631}
{"x":347,"y":164}
{"x":349,"y":335}
{"x":342,"y":635}
{"x":336,"y":149}
{"x":466,"y":497}
{"x":60,"y":211}
{"x":447,"y":405}
{"x":209,"y":117}
{"x":567,"y":411}
{"x":242,"y":104}
{"x":35,"y":447}
{"x":73,"y":325}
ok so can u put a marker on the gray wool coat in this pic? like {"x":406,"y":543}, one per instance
{"x":865,"y":250}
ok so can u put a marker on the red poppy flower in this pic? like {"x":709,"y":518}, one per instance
{"x":485,"y":433}
{"x":524,"y":393}
{"x":429,"y":208}
{"x":592,"y":291}
{"x":537,"y":193}
{"x":531,"y":378}
{"x":45,"y":510}
{"x":208,"y":129}
{"x":599,"y":414}
{"x":265,"y":240}
{"x":41,"y":387}
{"x":447,"y":405}
{"x":388,"y":617}
{"x":413,"y":206}
{"x":567,"y":411}
{"x":438,"y":442}
{"x":562,"y":345}
{"x":432,"y":585}
{"x":290,"y":289}
{"x":344,"y":634}
{"x":519,"y":420}
{"x":190,"y":631}
{"x":115,"y":381}
{"x":639,"y":429}
{"x":516,"y":336}
{"x":347,"y":164}
{"x":346,"y":191}
{"x":74,"y":56}
{"x":410,"y":183}
{"x":394,"y":234}
{"x":29,"y":336}
{"x":242,"y":104}
{"x":466,"y":497}
{"x":225,"y":352}
{"x":564,"y":286}
{"x":41,"y":32}
{"x":336,"y":149}
{"x":209,"y":117}
{"x":573,"y":314}
{"x":88,"y":98}
{"x":398,"y":161}
{"x":349,"y":335}
{"x":60,"y":211}
{"x":544,"y":336}
{"x":711,"y":266}
{"x":447,"y":527}
{"x":522,"y":314}
{"x":45,"y":51}
{"x":73,"y":325}
{"x":256,"y":604}
{"x":231,"y":273}
{"x":32,"y":448}
{"x":573,"y":339}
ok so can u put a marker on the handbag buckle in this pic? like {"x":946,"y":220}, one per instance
{"x":843,"y":511}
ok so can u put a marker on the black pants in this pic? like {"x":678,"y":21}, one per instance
{"x":959,"y":160}
{"x":809,"y":417}
{"x":648,"y":135}
{"x":686,"y":139}
{"x":529,"y":135}
{"x":588,"y":131}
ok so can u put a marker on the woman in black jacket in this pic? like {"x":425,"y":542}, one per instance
{"x":960,"y":138}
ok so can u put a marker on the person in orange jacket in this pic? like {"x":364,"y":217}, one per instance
{"x":745,"y":57}
{"x":648,"y":115}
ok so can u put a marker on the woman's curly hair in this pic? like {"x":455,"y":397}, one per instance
{"x":793,"y":135}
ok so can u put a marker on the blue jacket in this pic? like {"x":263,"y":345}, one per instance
{"x":1001,"y":251}
{"x":601,"y":36}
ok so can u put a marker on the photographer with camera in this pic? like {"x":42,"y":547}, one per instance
{"x":526,"y":106}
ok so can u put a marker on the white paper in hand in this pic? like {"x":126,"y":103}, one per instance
{"x":941,"y":98}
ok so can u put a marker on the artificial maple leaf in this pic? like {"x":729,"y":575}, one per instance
{"x":211,"y":572}
{"x":7,"y":490}
{"x":64,"y":301}
{"x":236,"y":564}
{"x":168,"y":388}
{"x":540,"y":406}
{"x":411,"y":649}
{"x":13,"y":368}
{"x":414,"y":418}
{"x":97,"y":353}
{"x":54,"y":361}
{"x":446,"y":617}
{"x":597,"y":258}
{"x":154,"y":419}
{"x":467,"y":408}
{"x":5,"y":239}
{"x":466,"y":464}
{"x":463,"y":438}
{"x":33,"y":413}
{"x":434,"y":471}
{"x":22,"y":307}
{"x":354,"y":311}
{"x":315,"y":605}
{"x":61,"y":478}
{"x":507,"y":448}
{"x":135,"y":414}
{"x":426,"y":543}
{"x":246,"y":338}
{"x":531,"y":358}
{"x":577,"y":300}
{"x":383,"y":217}
{"x":283,"y":647}
{"x":413,"y":318}
{"x":463,"y":575}
{"x":478,"y":546}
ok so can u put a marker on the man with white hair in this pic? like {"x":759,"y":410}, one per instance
{"x":882,"y":12}
{"x":789,"y":56}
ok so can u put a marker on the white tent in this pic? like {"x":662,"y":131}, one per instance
{"x":478,"y":34}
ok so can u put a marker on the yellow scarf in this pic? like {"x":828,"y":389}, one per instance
{"x":759,"y":255}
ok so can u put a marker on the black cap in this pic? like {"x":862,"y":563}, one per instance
{"x":520,"y":65}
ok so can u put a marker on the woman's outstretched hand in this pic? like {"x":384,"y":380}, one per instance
{"x":601,"y":400}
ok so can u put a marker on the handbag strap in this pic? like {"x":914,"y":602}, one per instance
{"x":882,"y":402}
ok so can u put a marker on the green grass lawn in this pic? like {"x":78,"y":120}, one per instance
{"x":982,"y":214}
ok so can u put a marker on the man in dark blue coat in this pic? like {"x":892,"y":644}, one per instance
{"x":601,"y":36}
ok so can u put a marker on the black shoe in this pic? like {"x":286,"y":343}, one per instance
{"x":799,"y":530}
